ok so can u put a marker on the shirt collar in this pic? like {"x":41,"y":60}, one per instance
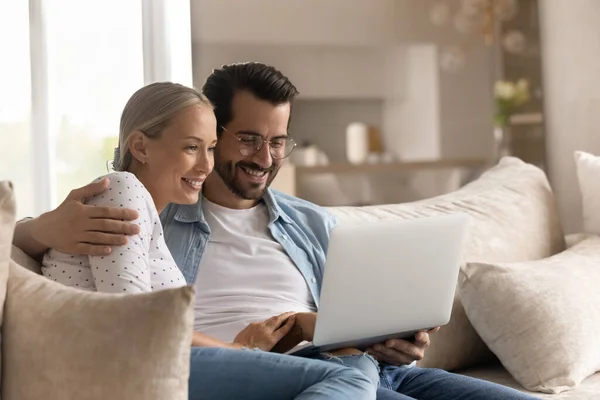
{"x":275,"y":211}
{"x":193,"y":212}
{"x":190,"y":213}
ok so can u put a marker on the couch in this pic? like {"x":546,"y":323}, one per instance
{"x":513,"y":219}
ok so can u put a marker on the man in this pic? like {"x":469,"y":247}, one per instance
{"x":251,"y":252}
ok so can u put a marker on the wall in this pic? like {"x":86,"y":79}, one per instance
{"x":317,"y":22}
{"x":357,"y":52}
{"x":326,"y":71}
{"x":571,"y":71}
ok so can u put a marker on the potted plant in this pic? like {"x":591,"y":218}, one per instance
{"x":508,"y":96}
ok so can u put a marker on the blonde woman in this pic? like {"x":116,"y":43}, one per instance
{"x":167,"y":137}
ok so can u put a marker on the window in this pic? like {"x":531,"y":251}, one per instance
{"x":15,"y":103}
{"x":68,"y":68}
{"x":95,"y":63}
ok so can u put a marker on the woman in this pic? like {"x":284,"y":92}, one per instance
{"x":167,"y":136}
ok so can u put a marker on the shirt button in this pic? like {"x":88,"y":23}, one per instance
{"x":313,"y":280}
{"x":284,"y":237}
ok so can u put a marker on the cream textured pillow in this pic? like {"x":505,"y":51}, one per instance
{"x":541,"y":318}
{"x":7,"y":226}
{"x":588,"y":174}
{"x":513,"y":218}
{"x":61,"y":343}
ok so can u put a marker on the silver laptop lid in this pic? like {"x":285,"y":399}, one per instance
{"x":390,"y":276}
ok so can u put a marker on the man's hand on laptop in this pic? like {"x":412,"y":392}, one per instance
{"x":76,"y":228}
{"x":402,"y":352}
{"x":266,"y":334}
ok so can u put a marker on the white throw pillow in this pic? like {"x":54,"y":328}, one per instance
{"x":588,"y":174}
{"x":541,"y":318}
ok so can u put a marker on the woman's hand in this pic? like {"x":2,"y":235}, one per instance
{"x":265,"y":335}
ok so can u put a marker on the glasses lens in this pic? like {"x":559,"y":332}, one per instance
{"x":279,"y":148}
{"x":282,"y":147}
{"x":249,"y":145}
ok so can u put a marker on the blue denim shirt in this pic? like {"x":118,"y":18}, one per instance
{"x":302,"y":229}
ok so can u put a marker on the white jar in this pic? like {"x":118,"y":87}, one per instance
{"x":357,"y":143}
{"x":305,"y":156}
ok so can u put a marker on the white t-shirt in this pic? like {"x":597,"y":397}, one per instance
{"x":144,"y":264}
{"x":245,"y":275}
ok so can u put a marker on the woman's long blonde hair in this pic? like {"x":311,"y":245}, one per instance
{"x":150,"y":110}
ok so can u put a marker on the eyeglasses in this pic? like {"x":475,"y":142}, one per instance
{"x":250,"y":144}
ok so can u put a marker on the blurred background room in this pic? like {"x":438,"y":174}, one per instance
{"x":400,"y":100}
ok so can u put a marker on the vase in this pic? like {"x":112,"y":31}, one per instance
{"x":502,"y":142}
{"x":357,"y":143}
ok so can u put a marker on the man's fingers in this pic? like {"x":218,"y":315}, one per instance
{"x":403,"y":347}
{"x":113,"y":226}
{"x":276,"y":321}
{"x":422,"y":340}
{"x":88,"y":191}
{"x":115,"y":213}
{"x":91,"y":250}
{"x":286,"y":328}
{"x":103,"y":239}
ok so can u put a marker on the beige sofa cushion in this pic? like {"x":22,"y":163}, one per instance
{"x":61,"y":343}
{"x":7,"y":226}
{"x":541,"y":318}
{"x":514,"y":218}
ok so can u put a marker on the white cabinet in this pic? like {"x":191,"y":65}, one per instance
{"x":331,"y":49}
{"x":330,"y":72}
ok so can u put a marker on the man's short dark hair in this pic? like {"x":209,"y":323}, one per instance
{"x":263,"y":81}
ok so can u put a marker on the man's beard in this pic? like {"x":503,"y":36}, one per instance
{"x":227,"y":171}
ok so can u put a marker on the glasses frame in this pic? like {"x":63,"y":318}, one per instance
{"x":262,"y":144}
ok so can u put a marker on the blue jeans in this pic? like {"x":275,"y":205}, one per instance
{"x":218,"y":373}
{"x":405,"y":383}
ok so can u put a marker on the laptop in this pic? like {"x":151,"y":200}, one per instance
{"x":386,"y":280}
